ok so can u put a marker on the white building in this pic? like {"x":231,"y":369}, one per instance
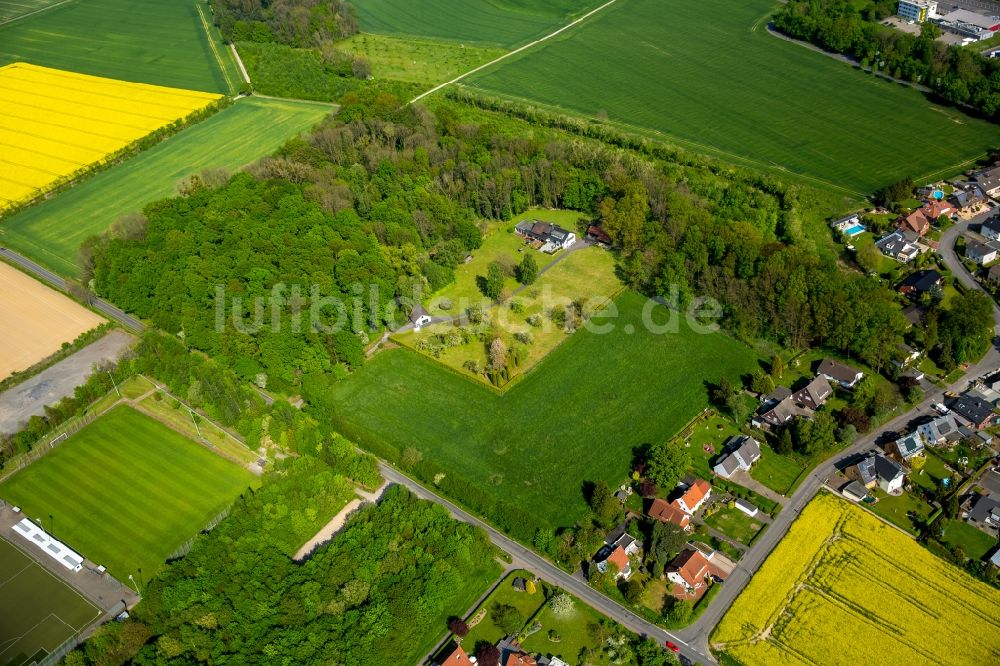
{"x":968,"y":24}
{"x":54,"y":549}
{"x":917,"y":11}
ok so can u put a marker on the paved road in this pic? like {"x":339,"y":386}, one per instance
{"x":48,"y":276}
{"x":697,"y":634}
{"x":524,"y":558}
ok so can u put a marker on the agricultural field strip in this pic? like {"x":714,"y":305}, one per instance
{"x":56,"y":123}
{"x":838,"y":561}
{"x":11,"y":11}
{"x":513,"y":53}
{"x":773,"y":103}
{"x":155,"y":42}
{"x":51,"y":231}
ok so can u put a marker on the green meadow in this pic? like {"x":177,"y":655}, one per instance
{"x":708,"y":76}
{"x":166,"y":42}
{"x":575,"y":418}
{"x":504,"y":23}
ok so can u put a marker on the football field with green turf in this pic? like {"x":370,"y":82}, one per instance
{"x":710,"y":77}
{"x":51,"y":231}
{"x":166,"y":42}
{"x":38,"y":612}
{"x":126,"y":491}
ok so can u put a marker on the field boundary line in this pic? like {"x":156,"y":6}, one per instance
{"x":37,"y":11}
{"x":239,"y":62}
{"x":215,"y":51}
{"x":512,"y":53}
{"x":648,"y":133}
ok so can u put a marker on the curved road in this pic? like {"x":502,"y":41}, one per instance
{"x":44,"y":274}
{"x":694,"y":638}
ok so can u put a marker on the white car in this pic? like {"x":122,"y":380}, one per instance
{"x":940,"y":408}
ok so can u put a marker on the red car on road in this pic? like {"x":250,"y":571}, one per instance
{"x":673,"y":646}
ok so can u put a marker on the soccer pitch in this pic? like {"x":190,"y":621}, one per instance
{"x":126,"y":491}
{"x":38,"y":612}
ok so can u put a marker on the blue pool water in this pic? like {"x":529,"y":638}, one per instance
{"x":937,"y":194}
{"x":855,"y":230}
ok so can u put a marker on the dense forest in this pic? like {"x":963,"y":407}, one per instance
{"x":958,"y":75}
{"x":380,"y":593}
{"x":387,"y":196}
{"x":297,"y":23}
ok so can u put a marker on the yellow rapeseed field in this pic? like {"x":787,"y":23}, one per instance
{"x":56,"y":124}
{"x":845,"y":588}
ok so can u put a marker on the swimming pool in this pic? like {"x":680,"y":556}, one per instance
{"x":937,"y":194}
{"x":854,"y":230}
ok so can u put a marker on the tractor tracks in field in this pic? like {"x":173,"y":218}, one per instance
{"x":509,"y":54}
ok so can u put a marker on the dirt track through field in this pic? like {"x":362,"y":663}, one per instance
{"x":35,"y":321}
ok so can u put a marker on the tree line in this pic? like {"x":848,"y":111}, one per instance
{"x":298,"y":23}
{"x":957,"y":75}
{"x":377,"y":594}
{"x":388,"y":196}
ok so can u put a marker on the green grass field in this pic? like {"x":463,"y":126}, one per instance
{"x":974,"y":542}
{"x":155,"y":41}
{"x":493,"y":22}
{"x":38,"y":612}
{"x":505,"y":594}
{"x":707,"y":75}
{"x":51,"y":232}
{"x":576,"y":417}
{"x":417,"y":60}
{"x":14,"y":9}
{"x":126,"y":491}
{"x":735,"y":524}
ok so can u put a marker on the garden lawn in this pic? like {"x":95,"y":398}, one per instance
{"x":587,"y":274}
{"x":708,"y":76}
{"x":897,"y":510}
{"x":126,"y":491}
{"x":493,"y":22}
{"x":975,"y":543}
{"x":712,"y":431}
{"x":165,"y":42}
{"x":500,"y":241}
{"x":505,"y":594}
{"x":573,"y":630}
{"x":417,"y":60}
{"x":522,"y":458}
{"x":735,"y":524}
{"x":52,"y":231}
{"x":929,"y":476}
{"x":776,"y":471}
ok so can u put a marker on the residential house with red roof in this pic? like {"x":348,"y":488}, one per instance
{"x":916,"y":222}
{"x":932,"y":210}
{"x":457,"y":657}
{"x":694,"y":496}
{"x":520,"y":659}
{"x":689,"y":570}
{"x":619,"y":558}
{"x":669,"y":512}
